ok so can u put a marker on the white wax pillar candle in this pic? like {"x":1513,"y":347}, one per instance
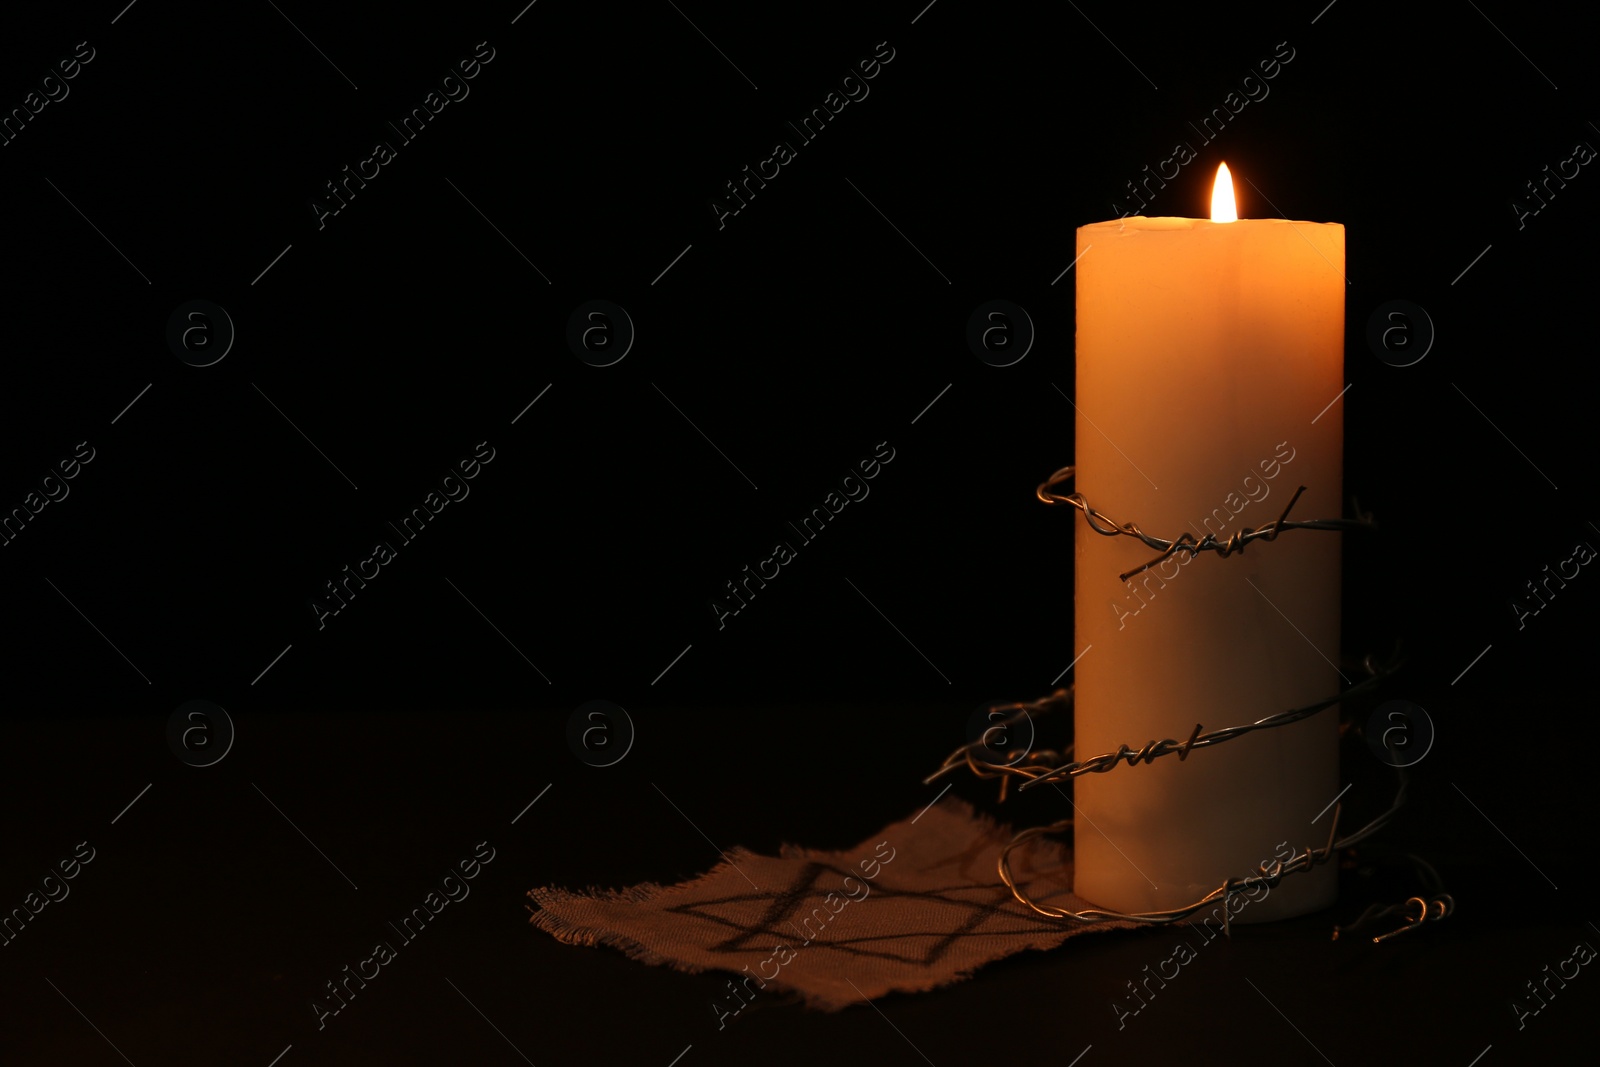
{"x":1206,"y":351}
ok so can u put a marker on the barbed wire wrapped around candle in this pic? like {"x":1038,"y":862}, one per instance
{"x":1044,"y":765}
{"x":1186,"y":541}
{"x":1269,"y":875}
{"x":1039,"y":766}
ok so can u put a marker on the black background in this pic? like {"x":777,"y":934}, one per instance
{"x":821,"y":320}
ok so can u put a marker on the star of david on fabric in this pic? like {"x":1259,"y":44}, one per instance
{"x":786,"y":905}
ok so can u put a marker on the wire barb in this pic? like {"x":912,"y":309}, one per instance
{"x":1435,"y":906}
{"x":1187,"y":543}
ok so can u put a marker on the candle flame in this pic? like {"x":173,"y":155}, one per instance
{"x":1222,"y":206}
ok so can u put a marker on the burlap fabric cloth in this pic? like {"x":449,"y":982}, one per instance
{"x":917,"y":906}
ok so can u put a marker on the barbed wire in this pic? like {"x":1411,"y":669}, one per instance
{"x":1437,"y":905}
{"x":1038,"y":767}
{"x":1031,"y":765}
{"x":1186,"y":541}
{"x":1044,"y":765}
{"x":1268,"y":874}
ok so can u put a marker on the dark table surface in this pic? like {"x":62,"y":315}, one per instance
{"x":206,"y":924}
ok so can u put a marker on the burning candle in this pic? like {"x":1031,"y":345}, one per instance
{"x":1209,"y":356}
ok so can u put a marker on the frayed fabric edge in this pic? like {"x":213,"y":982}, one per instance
{"x":572,"y":933}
